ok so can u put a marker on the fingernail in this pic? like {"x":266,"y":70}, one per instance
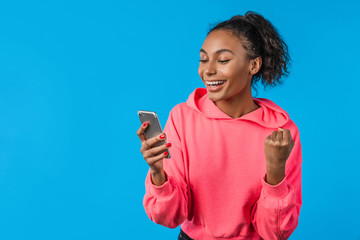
{"x":168,"y":145}
{"x":145,"y":124}
{"x":162,"y":136}
{"x":166,"y":153}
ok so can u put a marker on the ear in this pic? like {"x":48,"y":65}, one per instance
{"x":255,"y":65}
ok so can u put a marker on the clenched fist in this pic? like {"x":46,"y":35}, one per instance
{"x":278,"y":147}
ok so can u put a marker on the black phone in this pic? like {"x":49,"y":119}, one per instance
{"x":154,"y":128}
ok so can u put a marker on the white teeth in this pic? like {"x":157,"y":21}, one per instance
{"x":214,"y":82}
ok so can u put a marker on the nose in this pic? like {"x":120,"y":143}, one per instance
{"x":210,"y":68}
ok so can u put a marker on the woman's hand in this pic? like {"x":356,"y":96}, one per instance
{"x":154,"y":156}
{"x":278,"y":147}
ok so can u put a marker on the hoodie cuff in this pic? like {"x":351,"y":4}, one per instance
{"x":160,"y":191}
{"x":279,"y":190}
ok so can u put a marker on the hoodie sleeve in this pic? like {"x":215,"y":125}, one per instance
{"x":275,"y":214}
{"x":167,"y":204}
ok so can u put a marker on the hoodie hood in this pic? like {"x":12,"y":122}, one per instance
{"x":268,"y":115}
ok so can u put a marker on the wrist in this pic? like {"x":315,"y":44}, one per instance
{"x":156,"y":171}
{"x":275,"y":174}
{"x":158,"y":178}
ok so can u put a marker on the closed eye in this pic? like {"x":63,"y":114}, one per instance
{"x":224,"y":61}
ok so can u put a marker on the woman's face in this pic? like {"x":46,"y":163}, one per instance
{"x":223,"y":58}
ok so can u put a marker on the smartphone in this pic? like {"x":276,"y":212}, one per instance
{"x":154,"y":127}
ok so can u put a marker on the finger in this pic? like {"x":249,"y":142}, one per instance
{"x":155,"y":159}
{"x":283,"y":129}
{"x":160,"y":149}
{"x":156,"y":139}
{"x":267,"y":140}
{"x":140,"y":131}
{"x":144,"y":146}
{"x":147,"y":154}
{"x":279,"y":136}
{"x":287,"y":135}
{"x":273,"y":136}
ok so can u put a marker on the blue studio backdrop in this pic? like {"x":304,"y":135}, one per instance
{"x":73,"y":75}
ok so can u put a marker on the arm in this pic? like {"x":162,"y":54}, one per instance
{"x":167,"y":204}
{"x":275,"y":214}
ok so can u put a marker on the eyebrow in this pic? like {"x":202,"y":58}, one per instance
{"x":219,"y":51}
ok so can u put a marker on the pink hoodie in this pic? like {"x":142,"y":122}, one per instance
{"x":215,"y":184}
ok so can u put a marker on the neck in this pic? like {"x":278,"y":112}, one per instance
{"x":238,"y":105}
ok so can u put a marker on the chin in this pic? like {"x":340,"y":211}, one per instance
{"x":214,"y":96}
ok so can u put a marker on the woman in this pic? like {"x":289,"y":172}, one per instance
{"x":235,"y":166}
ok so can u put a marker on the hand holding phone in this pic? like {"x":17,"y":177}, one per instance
{"x":153,"y":141}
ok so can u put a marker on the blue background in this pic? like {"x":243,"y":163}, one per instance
{"x":74,"y":73}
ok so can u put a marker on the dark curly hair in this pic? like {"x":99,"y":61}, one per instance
{"x":260,"y":39}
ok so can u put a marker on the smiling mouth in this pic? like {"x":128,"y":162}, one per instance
{"x":215,"y":83}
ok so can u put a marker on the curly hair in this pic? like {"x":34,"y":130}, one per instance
{"x":260,"y":39}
